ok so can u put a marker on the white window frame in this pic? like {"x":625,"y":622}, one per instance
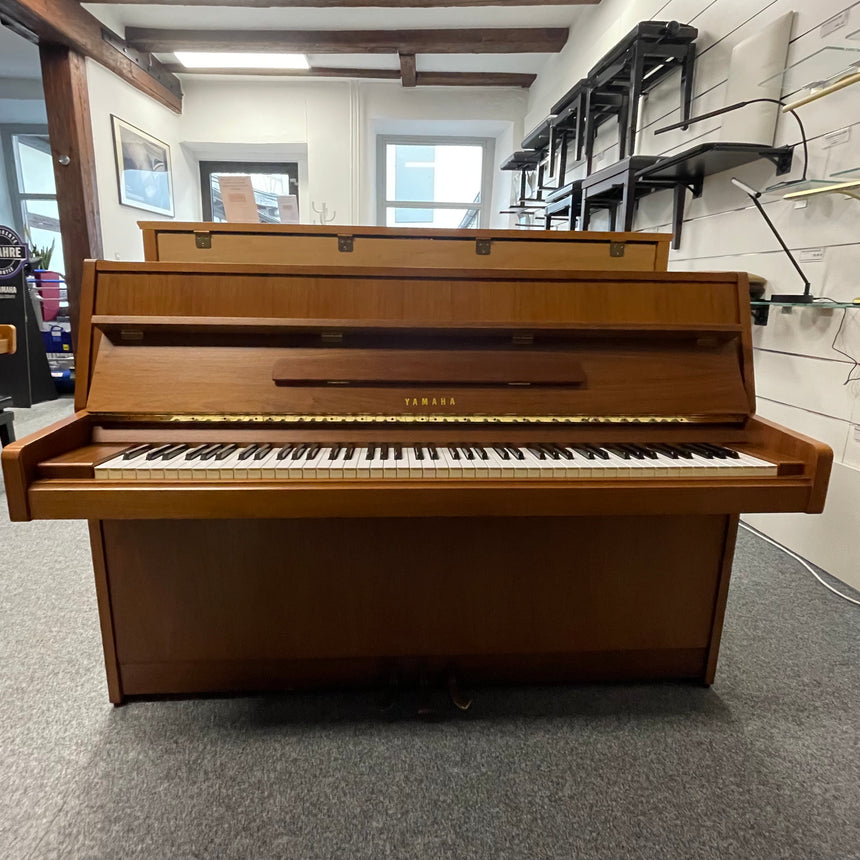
{"x":487,"y":144}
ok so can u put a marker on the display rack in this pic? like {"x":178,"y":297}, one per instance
{"x":824,"y":71}
{"x":761,"y":309}
{"x":50,"y":296}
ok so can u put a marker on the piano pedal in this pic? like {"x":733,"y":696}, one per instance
{"x":461,"y":702}
{"x":426,"y":709}
{"x":389,"y":697}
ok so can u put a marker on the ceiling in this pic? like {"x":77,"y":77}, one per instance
{"x":18,"y":57}
{"x":119,"y":16}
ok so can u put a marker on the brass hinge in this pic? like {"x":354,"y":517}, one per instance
{"x":617,"y":249}
{"x":345,"y":244}
{"x":130,"y":334}
{"x":483,"y":247}
{"x":523,"y":339}
{"x":202,"y":240}
{"x":331,"y":336}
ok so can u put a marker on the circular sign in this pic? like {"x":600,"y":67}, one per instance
{"x":13,"y":253}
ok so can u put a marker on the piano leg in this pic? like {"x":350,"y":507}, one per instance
{"x":197,"y":606}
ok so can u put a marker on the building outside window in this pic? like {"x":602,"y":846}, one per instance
{"x":269,"y":181}
{"x":33,"y":194}
{"x":434,"y":181}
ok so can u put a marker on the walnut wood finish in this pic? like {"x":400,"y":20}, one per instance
{"x":484,"y":595}
{"x":8,"y":340}
{"x":243,"y":585}
{"x":489,"y":40}
{"x":172,"y":241}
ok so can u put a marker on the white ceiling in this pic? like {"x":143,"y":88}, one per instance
{"x":120,"y":16}
{"x":18,"y":57}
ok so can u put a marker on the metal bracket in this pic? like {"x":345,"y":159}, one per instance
{"x":760,"y":314}
{"x":483,"y":247}
{"x":202,"y":240}
{"x":617,"y":249}
{"x":145,"y":61}
{"x":346,"y":244}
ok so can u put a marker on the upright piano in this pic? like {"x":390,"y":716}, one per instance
{"x":326,"y":475}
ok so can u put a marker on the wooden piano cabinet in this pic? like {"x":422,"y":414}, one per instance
{"x":349,"y":246}
{"x":192,"y":606}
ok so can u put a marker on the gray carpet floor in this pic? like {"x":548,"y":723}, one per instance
{"x":765,"y":764}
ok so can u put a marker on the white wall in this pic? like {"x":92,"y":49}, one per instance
{"x":109,"y":94}
{"x":327,"y":126}
{"x":799,"y":377}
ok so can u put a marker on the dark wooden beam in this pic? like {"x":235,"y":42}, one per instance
{"x":407,"y":70}
{"x":422,"y":79}
{"x":64,"y":78}
{"x":339,"y":4}
{"x":475,"y":79}
{"x":523,"y":40}
{"x":66,"y":22}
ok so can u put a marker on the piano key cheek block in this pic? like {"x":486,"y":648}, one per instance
{"x":308,"y":475}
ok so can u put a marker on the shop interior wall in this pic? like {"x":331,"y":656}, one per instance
{"x":327,"y":126}
{"x":800,"y":378}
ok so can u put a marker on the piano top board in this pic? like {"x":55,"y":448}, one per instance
{"x":293,"y":244}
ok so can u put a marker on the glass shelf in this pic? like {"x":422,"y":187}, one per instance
{"x":794,"y":185}
{"x":761,"y":309}
{"x":817,"y":71}
{"x":845,"y":175}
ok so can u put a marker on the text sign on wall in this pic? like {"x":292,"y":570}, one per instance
{"x":13,"y":253}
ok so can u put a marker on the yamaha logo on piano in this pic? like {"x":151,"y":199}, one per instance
{"x":429,"y":401}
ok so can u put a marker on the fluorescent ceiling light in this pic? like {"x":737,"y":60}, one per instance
{"x":230,"y":60}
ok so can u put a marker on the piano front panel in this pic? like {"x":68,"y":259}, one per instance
{"x":370,"y":594}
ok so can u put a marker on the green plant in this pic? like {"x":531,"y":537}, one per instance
{"x":40,"y":258}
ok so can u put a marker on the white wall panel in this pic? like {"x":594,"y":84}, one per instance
{"x":832,"y":431}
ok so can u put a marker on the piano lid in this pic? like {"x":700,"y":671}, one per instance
{"x":322,"y":345}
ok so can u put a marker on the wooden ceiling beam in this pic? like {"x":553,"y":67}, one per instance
{"x":422,"y":79}
{"x":408,"y":70}
{"x":522,"y":40}
{"x":343,"y":4}
{"x":66,"y":22}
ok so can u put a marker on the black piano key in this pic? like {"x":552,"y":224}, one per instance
{"x":584,"y":451}
{"x":551,"y":452}
{"x":604,"y":455}
{"x":720,"y":451}
{"x":563,"y":452}
{"x":454,"y":453}
{"x":693,"y":448}
{"x":298,"y":452}
{"x":682,"y":452}
{"x":645,"y":451}
{"x":434,"y":454}
{"x":482,"y":452}
{"x":156,"y":452}
{"x":666,"y":450}
{"x":335,"y":450}
{"x":371,"y":451}
{"x":349,"y":453}
{"x":248,"y":452}
{"x":470,"y":454}
{"x":173,"y":452}
{"x":196,"y":451}
{"x":136,"y":451}
{"x":211,"y":451}
{"x":383,"y":452}
{"x":633,"y":450}
{"x":285,"y":452}
{"x":313,"y":452}
{"x":262,"y":451}
{"x":419,"y":452}
{"x":226,"y":451}
{"x":398,"y":452}
{"x":502,"y":452}
{"x":618,"y":450}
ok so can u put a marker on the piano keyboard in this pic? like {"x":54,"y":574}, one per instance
{"x":389,"y":461}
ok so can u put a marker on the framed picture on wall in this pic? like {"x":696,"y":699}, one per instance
{"x":143,"y":169}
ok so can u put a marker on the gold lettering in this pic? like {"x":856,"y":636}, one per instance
{"x":414,"y":401}
{"x":425,"y":401}
{"x":433,"y":402}
{"x":407,"y":400}
{"x":451,"y":403}
{"x":442,"y":401}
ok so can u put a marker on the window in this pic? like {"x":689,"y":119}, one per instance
{"x":434,"y":182}
{"x":30,"y":176}
{"x":269,"y":181}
